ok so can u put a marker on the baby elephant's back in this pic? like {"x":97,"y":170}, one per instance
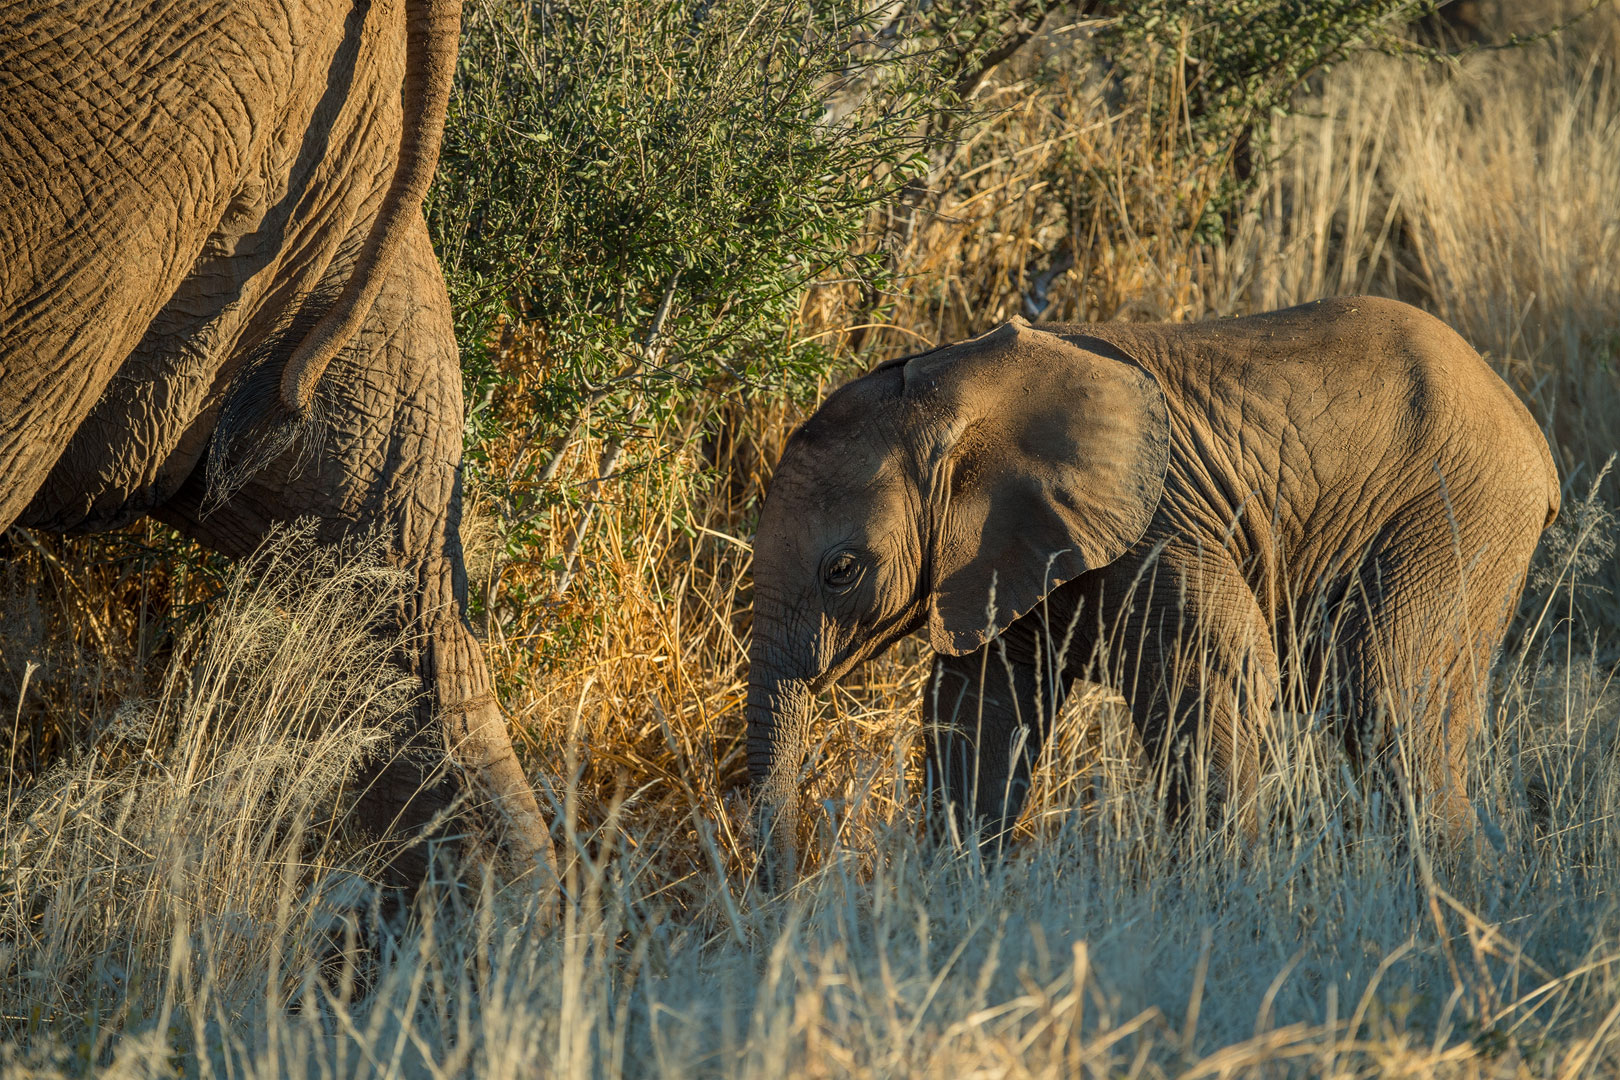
{"x":1309,"y":437}
{"x":1347,"y":391}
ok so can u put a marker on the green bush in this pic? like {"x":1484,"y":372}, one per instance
{"x":639,"y":192}
{"x":635,"y":195}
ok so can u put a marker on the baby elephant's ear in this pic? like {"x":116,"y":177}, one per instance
{"x":1053,"y":465}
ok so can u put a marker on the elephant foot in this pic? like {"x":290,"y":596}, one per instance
{"x":475,"y":807}
{"x":478,"y":746}
{"x":499,"y":791}
{"x":453,"y":782}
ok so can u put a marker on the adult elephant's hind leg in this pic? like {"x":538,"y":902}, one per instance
{"x":474,"y":739}
{"x":387,"y":460}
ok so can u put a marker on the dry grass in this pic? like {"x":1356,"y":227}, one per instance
{"x":171,"y":902}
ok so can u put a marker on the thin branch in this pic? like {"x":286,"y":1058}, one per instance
{"x":652,"y":353}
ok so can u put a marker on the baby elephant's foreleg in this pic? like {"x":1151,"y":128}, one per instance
{"x":985,"y":722}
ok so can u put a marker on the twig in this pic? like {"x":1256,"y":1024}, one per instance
{"x":651,"y":353}
{"x":27,"y":537}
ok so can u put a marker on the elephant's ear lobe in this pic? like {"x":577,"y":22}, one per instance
{"x":1053,"y":466}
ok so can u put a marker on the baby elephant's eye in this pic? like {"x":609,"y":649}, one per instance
{"x":841,"y":570}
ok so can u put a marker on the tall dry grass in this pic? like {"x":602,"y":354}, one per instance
{"x":197,"y":834}
{"x":183,"y":899}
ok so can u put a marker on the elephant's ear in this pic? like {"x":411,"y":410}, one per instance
{"x":1051,"y":464}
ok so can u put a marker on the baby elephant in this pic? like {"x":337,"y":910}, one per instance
{"x":1342,"y":490}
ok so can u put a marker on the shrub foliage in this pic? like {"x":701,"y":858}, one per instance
{"x":634,"y":197}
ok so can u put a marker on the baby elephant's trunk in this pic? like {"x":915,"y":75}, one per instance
{"x":778,"y":730}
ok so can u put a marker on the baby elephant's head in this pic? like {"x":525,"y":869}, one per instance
{"x":953,"y":489}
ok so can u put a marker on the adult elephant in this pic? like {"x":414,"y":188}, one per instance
{"x":219,"y":306}
{"x":1175,"y":509}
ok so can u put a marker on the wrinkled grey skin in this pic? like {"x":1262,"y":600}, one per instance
{"x":185,"y":187}
{"x":1182,"y":503}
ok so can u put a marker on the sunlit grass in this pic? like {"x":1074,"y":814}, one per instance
{"x":178,"y":891}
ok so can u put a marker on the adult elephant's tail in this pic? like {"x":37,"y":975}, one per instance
{"x":432,"y":32}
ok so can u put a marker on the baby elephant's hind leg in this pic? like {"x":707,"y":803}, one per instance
{"x":1428,"y":608}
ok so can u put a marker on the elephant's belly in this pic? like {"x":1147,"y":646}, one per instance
{"x":141,"y":440}
{"x":244,"y":240}
{"x":151,"y":427}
